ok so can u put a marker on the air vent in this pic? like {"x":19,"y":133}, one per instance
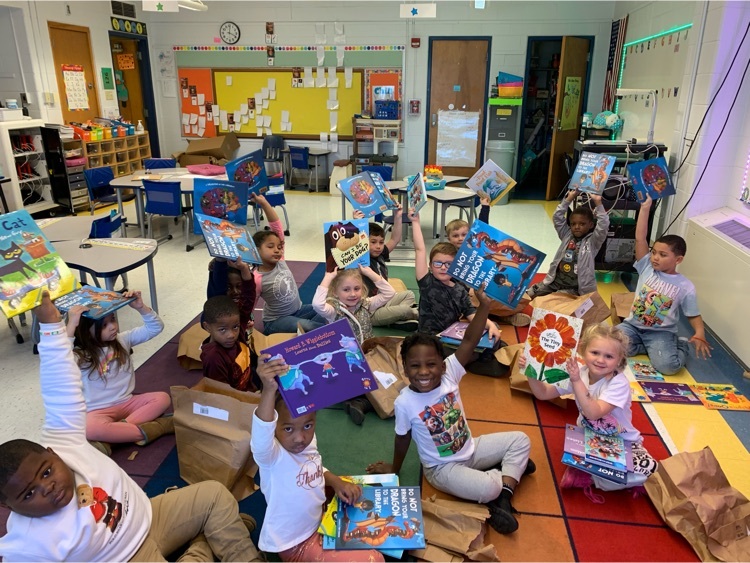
{"x":736,"y":231}
{"x":123,"y":9}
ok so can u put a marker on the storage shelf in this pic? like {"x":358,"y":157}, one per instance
{"x":123,"y":154}
{"x":29,"y":153}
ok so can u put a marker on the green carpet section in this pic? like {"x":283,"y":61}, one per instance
{"x":406,"y":275}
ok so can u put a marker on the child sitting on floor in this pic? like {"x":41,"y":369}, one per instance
{"x":602,"y":394}
{"x":114,"y":414}
{"x":486,"y":469}
{"x":75,"y":504}
{"x":293,"y":478}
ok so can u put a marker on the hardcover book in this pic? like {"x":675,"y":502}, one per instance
{"x":454,"y":334}
{"x":347,"y":244}
{"x":29,"y":265}
{"x":227,"y":240}
{"x":591,"y":172}
{"x":574,"y":455}
{"x":720,"y":396}
{"x":607,"y":451}
{"x":100,"y":302}
{"x":326,"y":366}
{"x":491,"y":181}
{"x":644,"y":371}
{"x":553,"y":339}
{"x":660,"y":392}
{"x":367,"y":192}
{"x":221,"y":199}
{"x":637,"y":394}
{"x":504,"y":263}
{"x":650,"y":177}
{"x":249,"y":169}
{"x":416,"y":194}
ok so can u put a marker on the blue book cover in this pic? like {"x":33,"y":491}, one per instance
{"x":416,"y":194}
{"x":591,"y":172}
{"x":227,"y":240}
{"x":347,"y":244}
{"x":249,"y":169}
{"x":607,"y":451}
{"x":578,"y":462}
{"x":221,"y":199}
{"x":490,"y":256}
{"x":650,"y":177}
{"x":491,"y":181}
{"x":326,"y":366}
{"x":454,"y":334}
{"x":367,"y":192}
{"x":101,"y":302}
{"x":575,"y":452}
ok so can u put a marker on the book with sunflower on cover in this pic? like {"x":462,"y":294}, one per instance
{"x":553,"y":339}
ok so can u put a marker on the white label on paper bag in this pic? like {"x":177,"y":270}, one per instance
{"x":212,"y":412}
{"x":385,"y":379}
{"x":583,"y":309}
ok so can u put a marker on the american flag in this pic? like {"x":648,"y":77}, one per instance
{"x":616,"y":41}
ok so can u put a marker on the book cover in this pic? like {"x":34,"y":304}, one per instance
{"x":416,"y":194}
{"x":591,"y":172}
{"x":720,"y":396}
{"x":644,"y":371}
{"x":326,"y":366}
{"x":553,"y":339}
{"x":637,"y":394}
{"x":227,"y":240}
{"x":29,"y":265}
{"x":660,"y":392}
{"x":366,"y":192}
{"x":490,"y":256}
{"x":347,"y":244}
{"x":382,"y":518}
{"x":491,"y":181}
{"x":607,"y":451}
{"x":101,"y":302}
{"x":650,"y":177}
{"x":454,"y":334}
{"x":249,"y":169}
{"x":578,"y":462}
{"x":574,"y":444}
{"x":221,"y":199}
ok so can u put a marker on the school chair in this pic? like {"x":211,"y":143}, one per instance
{"x":300,"y":160}
{"x":105,"y":227}
{"x":273,"y":145}
{"x":275,"y":197}
{"x":100,"y":192}
{"x":165,"y":199}
{"x":156,"y":163}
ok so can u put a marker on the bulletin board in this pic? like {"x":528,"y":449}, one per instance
{"x":200,"y":79}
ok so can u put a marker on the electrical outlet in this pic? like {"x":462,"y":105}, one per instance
{"x":49,"y":98}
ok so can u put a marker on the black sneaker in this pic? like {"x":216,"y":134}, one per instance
{"x":357,"y":408}
{"x":410,"y":325}
{"x":530,"y":467}
{"x":501,"y":516}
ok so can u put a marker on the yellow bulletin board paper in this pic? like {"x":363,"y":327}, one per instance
{"x":307,"y":107}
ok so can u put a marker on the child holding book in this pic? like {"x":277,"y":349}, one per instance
{"x":573,"y":270}
{"x":486,"y":469}
{"x":114,"y":414}
{"x":293,"y":478}
{"x":602,"y":394}
{"x":661,"y":294}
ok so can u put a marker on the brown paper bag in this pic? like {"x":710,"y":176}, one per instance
{"x":590,"y":307}
{"x":397,"y":284}
{"x":189,"y":348}
{"x":620,"y":306}
{"x":261,"y":341}
{"x":694,"y":497}
{"x":383,"y":354}
{"x":212,"y":423}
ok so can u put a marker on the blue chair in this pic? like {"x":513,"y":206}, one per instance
{"x":275,"y":197}
{"x":300,"y":160}
{"x":156,"y":163}
{"x":165,"y":198}
{"x":273,"y":145}
{"x":105,"y":227}
{"x":100,"y":192}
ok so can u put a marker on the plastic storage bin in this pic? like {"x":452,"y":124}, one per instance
{"x":386,"y":109}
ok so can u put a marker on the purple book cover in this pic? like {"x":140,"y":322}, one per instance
{"x":660,"y":392}
{"x":575,"y":445}
{"x":326,"y":366}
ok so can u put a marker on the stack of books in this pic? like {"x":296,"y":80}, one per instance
{"x":609,"y":457}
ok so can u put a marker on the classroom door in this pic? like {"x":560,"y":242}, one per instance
{"x":127,"y":75}
{"x":71,"y":45}
{"x":456,"y":102}
{"x":571,"y":86}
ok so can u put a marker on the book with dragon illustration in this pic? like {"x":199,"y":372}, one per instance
{"x":491,"y":181}
{"x":607,"y":451}
{"x":29,"y":265}
{"x":221,"y":199}
{"x":490,"y":256}
{"x":720,"y":396}
{"x":643,"y":370}
{"x":100,"y":302}
{"x":416,"y":194}
{"x":574,"y":455}
{"x":592,"y":172}
{"x":227,"y":240}
{"x":660,"y":392}
{"x":454,"y":334}
{"x":553,"y":339}
{"x":367,"y":192}
{"x":347,"y":244}
{"x":249,"y":169}
{"x":326,"y":366}
{"x":650,"y":177}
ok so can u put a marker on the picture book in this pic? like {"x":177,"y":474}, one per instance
{"x":553,"y":339}
{"x":416,"y":194}
{"x":650,"y":177}
{"x":591,"y":172}
{"x":607,"y":451}
{"x":660,"y":392}
{"x":28,"y":265}
{"x":454,"y":334}
{"x":221,"y":199}
{"x":249,"y":169}
{"x":644,"y":371}
{"x":574,"y":456}
{"x":491,"y":181}
{"x":637,"y":394}
{"x":503,"y":262}
{"x":326,"y":366}
{"x":347,"y":244}
{"x":720,"y":396}
{"x":100,"y":302}
{"x":382,"y":518}
{"x":227,"y":240}
{"x":367,"y":192}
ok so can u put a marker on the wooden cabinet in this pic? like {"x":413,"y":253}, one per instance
{"x":124,"y":154}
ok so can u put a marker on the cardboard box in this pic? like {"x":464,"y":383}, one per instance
{"x":620,"y":306}
{"x":219,"y":147}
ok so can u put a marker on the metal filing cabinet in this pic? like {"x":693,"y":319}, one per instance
{"x":503,"y":120}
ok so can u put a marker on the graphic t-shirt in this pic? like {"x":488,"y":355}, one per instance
{"x":436,"y":419}
{"x":280,"y":293}
{"x":567,"y":269}
{"x":659,"y":298}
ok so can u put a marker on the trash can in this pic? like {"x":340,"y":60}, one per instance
{"x":502,"y":153}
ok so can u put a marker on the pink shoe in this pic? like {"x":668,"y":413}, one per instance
{"x":639,"y":491}
{"x":575,"y":479}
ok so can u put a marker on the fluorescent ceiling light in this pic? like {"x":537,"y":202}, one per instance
{"x":196,"y":5}
{"x":479,"y":4}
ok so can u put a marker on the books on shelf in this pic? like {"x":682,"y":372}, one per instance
{"x":367,"y":192}
{"x":227,"y":240}
{"x":326,"y":366}
{"x":591,"y":172}
{"x":644,"y":371}
{"x":574,"y":455}
{"x":416,"y":194}
{"x":100,"y":302}
{"x":29,"y":264}
{"x":249,"y":169}
{"x":720,"y":396}
{"x":650,"y":178}
{"x":454,"y":334}
{"x":553,"y":339}
{"x":347,"y":244}
{"x":503,"y":262}
{"x":221,"y":199}
{"x":661,"y":392}
{"x":491,"y":181}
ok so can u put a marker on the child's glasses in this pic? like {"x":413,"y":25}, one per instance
{"x":438,"y":264}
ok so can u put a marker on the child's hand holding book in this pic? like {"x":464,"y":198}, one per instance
{"x":346,"y":491}
{"x":46,"y":312}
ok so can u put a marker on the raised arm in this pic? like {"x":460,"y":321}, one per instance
{"x":484,"y":210}
{"x":385,"y":290}
{"x":559,"y":219}
{"x":474,"y":331}
{"x":421,"y":267}
{"x":641,"y":229}
{"x":319,"y":302}
{"x":602,"y":223}
{"x":590,"y":407}
{"x":398,"y":229}
{"x":268,"y":210}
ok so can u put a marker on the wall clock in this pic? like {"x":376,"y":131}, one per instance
{"x":229,"y":33}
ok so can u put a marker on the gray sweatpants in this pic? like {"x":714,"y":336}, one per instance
{"x":397,"y":309}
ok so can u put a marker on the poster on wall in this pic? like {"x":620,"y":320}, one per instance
{"x":165,"y":62}
{"x":571,"y":101}
{"x":457,"y":138}
{"x":125,"y":61}
{"x":76,"y":91}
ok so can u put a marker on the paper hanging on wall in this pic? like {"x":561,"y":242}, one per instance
{"x":321,"y":52}
{"x":194,"y":129}
{"x":334,"y":118}
{"x":267,"y":120}
{"x":271,"y":84}
{"x":258,"y":101}
{"x":348,"y":77}
{"x":202,"y":110}
{"x":229,"y":79}
{"x":215,"y":109}
{"x":320,"y":33}
{"x":186,"y":129}
{"x":201,"y":99}
{"x":333,"y":94}
{"x":125,"y":61}
{"x":284,"y":115}
{"x":244,"y":119}
{"x":259,"y":132}
{"x":259,"y":121}
{"x":243,"y":109}
{"x":251,"y":114}
{"x":332,"y":104}
{"x":264,"y":93}
{"x":265,"y":103}
{"x":340,"y":52}
{"x":308,"y":80}
{"x":168,"y":89}
{"x":457,"y":138}
{"x":186,"y":119}
{"x":333,"y":81}
{"x":202,"y":122}
{"x":193,"y":118}
{"x":76,"y":91}
{"x":334,"y":144}
{"x":201,"y":131}
{"x":324,"y":137}
{"x":272,"y":94}
{"x":268,"y":131}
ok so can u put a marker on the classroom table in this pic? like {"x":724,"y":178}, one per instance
{"x":447,"y":197}
{"x":72,"y":227}
{"x":109,"y":258}
{"x":317,"y":154}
